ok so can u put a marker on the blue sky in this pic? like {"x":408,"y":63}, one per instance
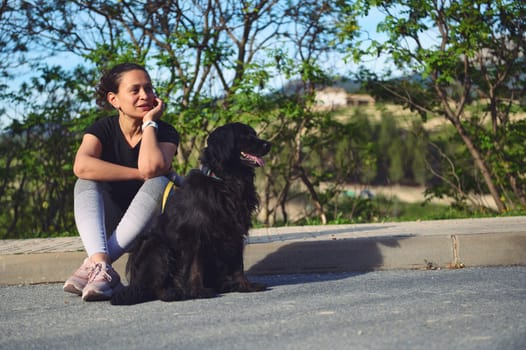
{"x":335,"y":63}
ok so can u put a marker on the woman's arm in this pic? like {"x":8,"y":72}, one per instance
{"x":89,"y":166}
{"x":155,"y":158}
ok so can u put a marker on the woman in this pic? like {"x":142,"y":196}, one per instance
{"x":122,"y":165}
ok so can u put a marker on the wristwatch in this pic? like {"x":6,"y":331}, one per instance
{"x":149,"y":123}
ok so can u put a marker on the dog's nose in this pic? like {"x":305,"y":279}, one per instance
{"x":266,"y":146}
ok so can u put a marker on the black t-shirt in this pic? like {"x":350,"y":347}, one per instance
{"x":115,"y":149}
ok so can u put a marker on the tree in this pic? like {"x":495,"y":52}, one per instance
{"x":465,"y":51}
{"x":37,"y":152}
{"x":13,"y":45}
{"x":212,"y":61}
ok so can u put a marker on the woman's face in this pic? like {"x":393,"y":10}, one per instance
{"x":136,"y":96}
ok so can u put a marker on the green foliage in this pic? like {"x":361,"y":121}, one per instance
{"x":105,"y":56}
{"x":211,"y":63}
{"x":462,"y":51}
{"x":216,"y":62}
{"x":351,"y":210}
{"x":37,"y":155}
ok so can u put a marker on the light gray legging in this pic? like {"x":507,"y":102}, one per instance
{"x":95,"y":212}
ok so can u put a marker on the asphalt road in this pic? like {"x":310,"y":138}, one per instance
{"x":479,"y":308}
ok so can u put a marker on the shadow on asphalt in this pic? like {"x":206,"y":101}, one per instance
{"x":333,"y":259}
{"x":291,"y":279}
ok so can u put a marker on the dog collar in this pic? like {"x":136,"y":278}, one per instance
{"x":208,"y":172}
{"x":167,"y":190}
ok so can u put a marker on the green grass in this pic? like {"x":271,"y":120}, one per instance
{"x":381,"y":209}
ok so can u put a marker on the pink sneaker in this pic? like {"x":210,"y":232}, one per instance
{"x":76,"y":283}
{"x":103,"y":279}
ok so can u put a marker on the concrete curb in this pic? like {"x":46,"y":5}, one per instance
{"x":311,"y":249}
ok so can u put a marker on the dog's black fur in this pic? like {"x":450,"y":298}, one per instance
{"x":196,"y":248}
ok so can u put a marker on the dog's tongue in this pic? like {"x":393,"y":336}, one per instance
{"x":256,"y":160}
{"x":259,"y":161}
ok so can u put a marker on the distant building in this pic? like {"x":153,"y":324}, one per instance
{"x":331,"y":98}
{"x":360,"y":100}
{"x":336,"y":97}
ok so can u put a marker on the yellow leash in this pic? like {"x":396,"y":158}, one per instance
{"x":166,"y":194}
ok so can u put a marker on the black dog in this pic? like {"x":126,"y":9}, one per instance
{"x":196,"y":248}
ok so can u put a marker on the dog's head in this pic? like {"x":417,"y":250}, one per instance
{"x":233,"y":148}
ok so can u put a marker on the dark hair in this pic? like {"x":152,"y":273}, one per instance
{"x":110,"y":80}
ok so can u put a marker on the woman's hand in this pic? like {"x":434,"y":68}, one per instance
{"x":155,"y":158}
{"x":156,"y":112}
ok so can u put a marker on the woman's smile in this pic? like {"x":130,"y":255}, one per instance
{"x":145,"y":107}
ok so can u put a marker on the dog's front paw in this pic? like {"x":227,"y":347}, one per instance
{"x":205,"y":293}
{"x":242,"y":286}
{"x":171,"y":294}
{"x":249,"y":287}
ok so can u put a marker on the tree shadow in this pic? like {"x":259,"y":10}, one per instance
{"x":327,"y":259}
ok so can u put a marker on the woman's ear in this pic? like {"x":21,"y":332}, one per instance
{"x":113,"y":100}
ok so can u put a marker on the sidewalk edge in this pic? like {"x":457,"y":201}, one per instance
{"x":320,"y":256}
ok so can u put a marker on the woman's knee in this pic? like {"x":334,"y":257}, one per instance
{"x":82,"y":185}
{"x":155,"y":185}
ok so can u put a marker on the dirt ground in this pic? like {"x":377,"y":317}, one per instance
{"x":297,"y":208}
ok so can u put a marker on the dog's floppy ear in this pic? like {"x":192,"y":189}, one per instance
{"x":220,"y":147}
